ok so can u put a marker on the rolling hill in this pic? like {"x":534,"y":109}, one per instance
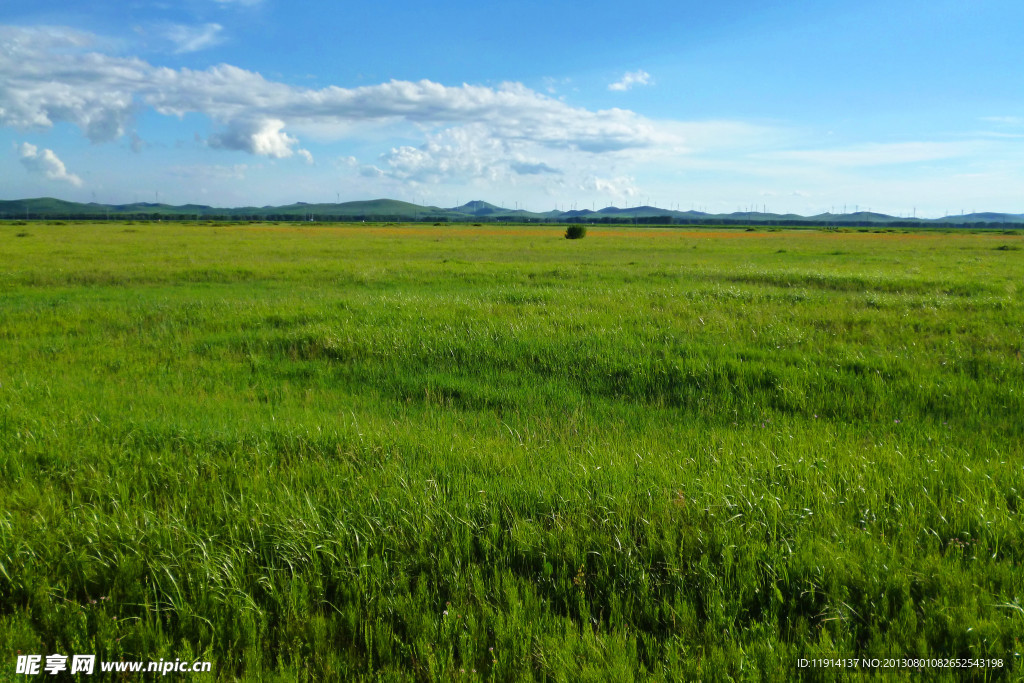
{"x":477,"y":210}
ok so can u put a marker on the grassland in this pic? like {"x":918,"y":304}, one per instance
{"x":437,"y":453}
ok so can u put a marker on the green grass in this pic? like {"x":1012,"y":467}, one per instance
{"x":408,"y":452}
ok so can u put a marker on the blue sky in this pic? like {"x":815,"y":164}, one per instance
{"x":898,"y":107}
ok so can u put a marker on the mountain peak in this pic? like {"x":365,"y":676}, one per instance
{"x":479,"y":207}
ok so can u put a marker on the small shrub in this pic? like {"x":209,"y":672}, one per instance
{"x":575,"y":232}
{"x":1007,"y":247}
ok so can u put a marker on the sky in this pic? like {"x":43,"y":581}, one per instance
{"x":905,"y":107}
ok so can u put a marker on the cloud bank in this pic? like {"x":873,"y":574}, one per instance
{"x":48,"y":77}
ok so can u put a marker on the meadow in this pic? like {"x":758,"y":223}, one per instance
{"x":404,"y":452}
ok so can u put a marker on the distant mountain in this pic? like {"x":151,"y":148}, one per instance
{"x":858,"y":217}
{"x":479,"y":208}
{"x":637,"y":212}
{"x":986,"y":217}
{"x":868,"y":217}
{"x":373,"y":207}
{"x":476,"y":210}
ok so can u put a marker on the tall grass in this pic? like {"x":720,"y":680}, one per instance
{"x":346,"y":453}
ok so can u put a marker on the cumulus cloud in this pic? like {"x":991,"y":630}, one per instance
{"x":45,"y":80}
{"x":629,"y":79}
{"x":55,"y":80}
{"x":470,"y":152}
{"x":46,"y":163}
{"x":463,"y":152}
{"x":262,"y":137}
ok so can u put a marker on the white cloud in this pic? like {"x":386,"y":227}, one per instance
{"x":262,"y":137}
{"x":463,"y":153}
{"x":46,"y":163}
{"x":629,"y":79}
{"x":100,"y":93}
{"x":193,"y":38}
{"x":498,"y":136}
{"x":371,"y":172}
{"x":47,"y":80}
{"x":621,"y":187}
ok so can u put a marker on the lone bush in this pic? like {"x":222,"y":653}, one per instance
{"x":575,"y":232}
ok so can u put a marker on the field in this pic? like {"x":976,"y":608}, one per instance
{"x":468,"y":453}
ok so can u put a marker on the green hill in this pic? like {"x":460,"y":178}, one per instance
{"x":476,"y":210}
{"x":479,"y":208}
